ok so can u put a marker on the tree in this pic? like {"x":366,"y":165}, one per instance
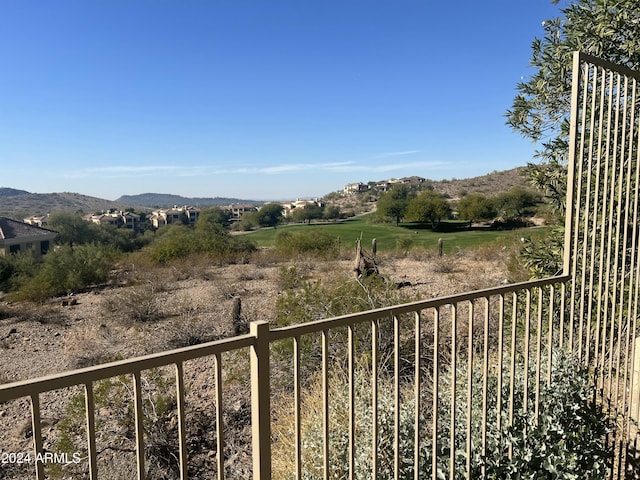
{"x":394,"y":203}
{"x":72,"y":228}
{"x":331,"y":212}
{"x":269,"y":215}
{"x":516,"y":201}
{"x":540,"y":110}
{"x":476,"y":206}
{"x":213,"y":216}
{"x":307,"y":213}
{"x":428,"y":207}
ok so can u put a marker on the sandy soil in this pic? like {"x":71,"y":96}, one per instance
{"x":184,"y":305}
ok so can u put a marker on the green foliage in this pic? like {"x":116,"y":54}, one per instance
{"x":394,"y":203}
{"x":179,"y":241}
{"x":316,"y":243}
{"x":269,"y":215}
{"x":476,"y":206}
{"x":308,"y":213}
{"x":209,"y":217}
{"x":67,"y":269}
{"x":428,"y":207}
{"x":516,"y":201}
{"x":543,"y":257}
{"x":72,"y":228}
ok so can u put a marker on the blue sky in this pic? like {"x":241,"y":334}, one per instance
{"x":258,"y":99}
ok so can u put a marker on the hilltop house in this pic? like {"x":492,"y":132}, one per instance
{"x":289,"y":207}
{"x":22,"y":237}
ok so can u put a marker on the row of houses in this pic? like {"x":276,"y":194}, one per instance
{"x":383,"y":186}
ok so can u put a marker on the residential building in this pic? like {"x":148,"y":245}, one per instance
{"x":18,"y":236}
{"x":176,"y":215}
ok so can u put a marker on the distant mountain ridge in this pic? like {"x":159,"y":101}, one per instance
{"x":19,"y":204}
{"x":165,"y":200}
{"x":10,"y":192}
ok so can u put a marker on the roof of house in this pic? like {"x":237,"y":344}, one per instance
{"x":10,"y":229}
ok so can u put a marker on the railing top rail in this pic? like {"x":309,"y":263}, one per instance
{"x":585,"y":57}
{"x":353,"y":318}
{"x":95,"y":373}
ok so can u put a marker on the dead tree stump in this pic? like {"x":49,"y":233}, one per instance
{"x":365,"y":263}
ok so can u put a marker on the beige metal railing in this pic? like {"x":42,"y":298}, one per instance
{"x":416,"y":390}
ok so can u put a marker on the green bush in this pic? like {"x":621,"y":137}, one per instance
{"x":307,"y":242}
{"x":178,"y":241}
{"x":66,"y":269}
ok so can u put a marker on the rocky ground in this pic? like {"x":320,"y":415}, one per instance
{"x":151,"y":310}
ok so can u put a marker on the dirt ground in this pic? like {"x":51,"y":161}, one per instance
{"x":152,"y":310}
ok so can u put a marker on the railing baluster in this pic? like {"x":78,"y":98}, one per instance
{"x":325,"y":402}
{"x":416,"y":393}
{"x":396,"y":397}
{"x":436,"y":371}
{"x":485,"y":377}
{"x":512,"y":366}
{"x":352,"y":427}
{"x":36,"y":429}
{"x":181,"y":412}
{"x":469,"y":385}
{"x":296,"y":406}
{"x":538,"y":355}
{"x":454,"y":374}
{"x":139,"y":423}
{"x":527,"y":333}
{"x":91,"y":430}
{"x":500,"y":360}
{"x":220,"y":440}
{"x":374,"y":397}
{"x":552,"y":295}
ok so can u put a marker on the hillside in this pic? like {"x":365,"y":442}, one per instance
{"x":163,"y":200}
{"x":490,"y":184}
{"x":19,"y":204}
{"x":22,"y":205}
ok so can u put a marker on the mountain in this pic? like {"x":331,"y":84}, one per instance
{"x":10,"y":192}
{"x":25,"y":204}
{"x":164,"y":200}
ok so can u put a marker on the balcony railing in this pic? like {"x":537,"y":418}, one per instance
{"x":416,"y":390}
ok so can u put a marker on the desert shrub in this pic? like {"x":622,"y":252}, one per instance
{"x":67,"y":269}
{"x":179,"y":241}
{"x":308,"y":242}
{"x":141,"y":303}
{"x":339,"y":417}
{"x":114,"y":398}
{"x":403,"y":244}
{"x":566,"y":441}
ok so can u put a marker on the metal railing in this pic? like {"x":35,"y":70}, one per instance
{"x":419,"y":390}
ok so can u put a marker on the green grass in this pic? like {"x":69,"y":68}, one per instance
{"x":388,"y":234}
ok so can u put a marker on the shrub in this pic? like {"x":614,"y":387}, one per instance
{"x":64,"y":270}
{"x":310,"y":242}
{"x":566,"y":441}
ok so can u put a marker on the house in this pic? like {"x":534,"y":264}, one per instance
{"x":176,"y":215}
{"x":289,"y":207}
{"x":117,"y":219}
{"x":39,"y":220}
{"x":18,"y":236}
{"x":351,"y":188}
{"x":239,"y":209}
